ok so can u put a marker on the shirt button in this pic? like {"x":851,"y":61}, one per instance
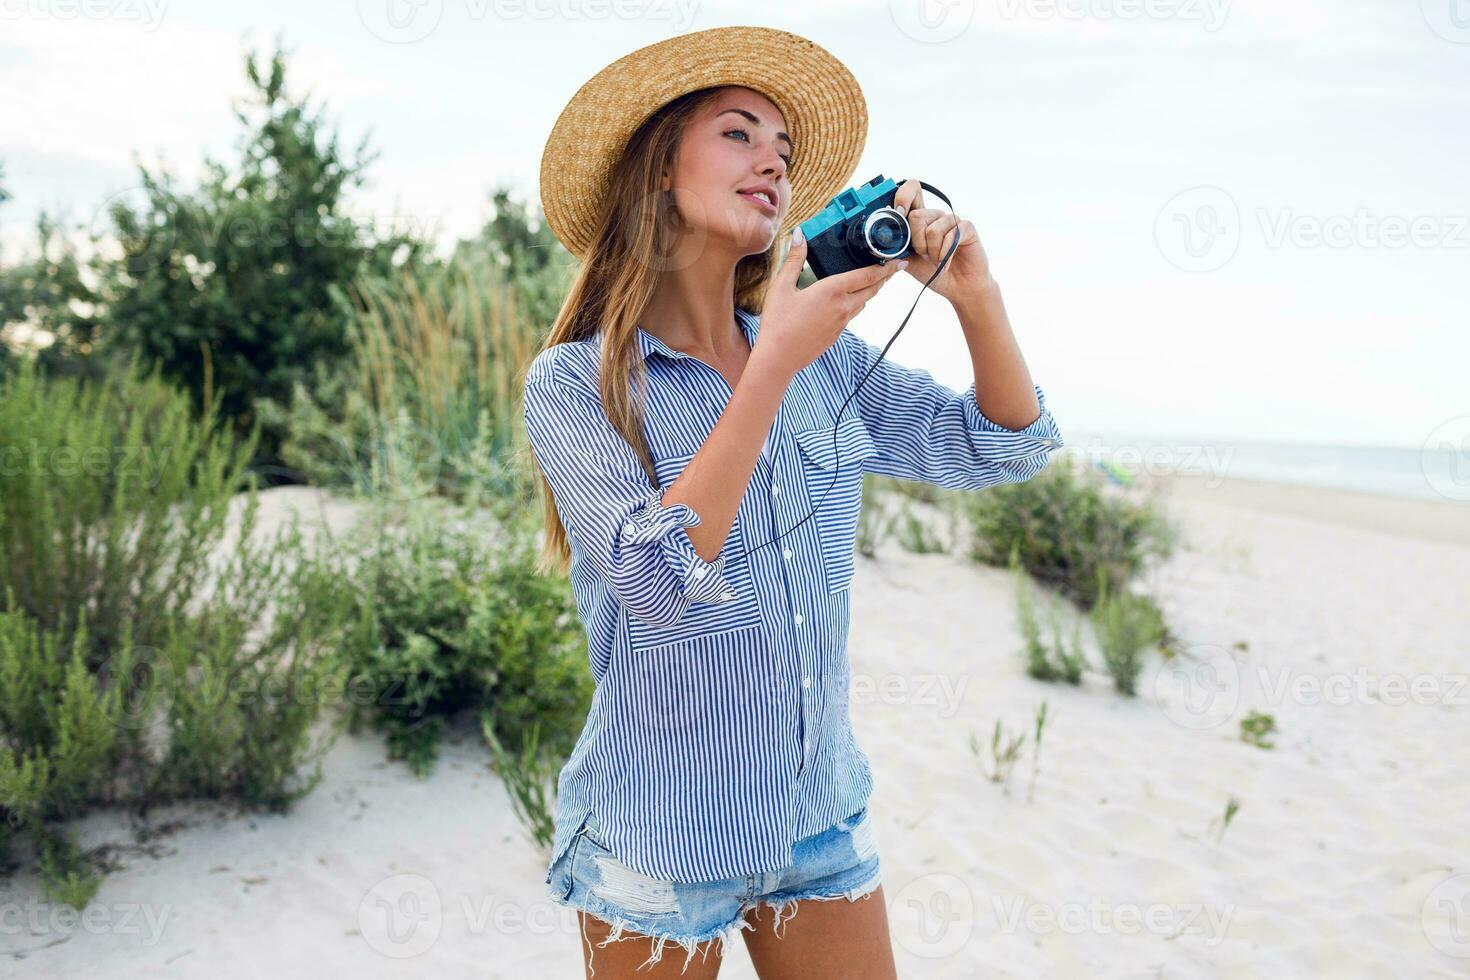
{"x":628,"y":529}
{"x":775,"y":490}
{"x":789,"y":552}
{"x":701,"y":572}
{"x":806,"y":682}
{"x":798,"y":619}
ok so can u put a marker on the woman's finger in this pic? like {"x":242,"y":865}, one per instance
{"x":886,"y":273}
{"x":934,"y":234}
{"x":909,"y":197}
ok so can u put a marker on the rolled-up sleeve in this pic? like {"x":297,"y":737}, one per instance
{"x":927,"y":432}
{"x":614,"y":518}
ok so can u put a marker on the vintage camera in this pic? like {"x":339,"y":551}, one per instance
{"x":858,"y":227}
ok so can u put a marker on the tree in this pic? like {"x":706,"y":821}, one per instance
{"x":237,"y":289}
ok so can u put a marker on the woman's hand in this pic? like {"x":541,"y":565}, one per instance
{"x":933,"y":231}
{"x":797,"y":325}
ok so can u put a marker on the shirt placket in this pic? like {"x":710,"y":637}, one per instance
{"x":783,"y":511}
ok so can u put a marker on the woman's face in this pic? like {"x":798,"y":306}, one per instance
{"x":734,"y":148}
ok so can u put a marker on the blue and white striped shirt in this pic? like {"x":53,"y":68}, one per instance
{"x":719,"y":731}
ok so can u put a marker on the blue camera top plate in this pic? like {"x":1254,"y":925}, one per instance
{"x":848,"y":203}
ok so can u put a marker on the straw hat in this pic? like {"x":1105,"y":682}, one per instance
{"x":826,"y":116}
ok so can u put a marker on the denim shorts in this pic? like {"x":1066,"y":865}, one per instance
{"x":839,"y":862}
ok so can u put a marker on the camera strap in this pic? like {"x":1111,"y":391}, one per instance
{"x":835,"y":422}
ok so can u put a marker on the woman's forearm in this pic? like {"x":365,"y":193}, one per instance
{"x":1003,"y":387}
{"x":715,"y":480}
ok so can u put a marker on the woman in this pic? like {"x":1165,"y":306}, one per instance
{"x":684,"y":415}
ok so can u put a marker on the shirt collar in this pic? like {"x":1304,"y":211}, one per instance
{"x":649,"y":344}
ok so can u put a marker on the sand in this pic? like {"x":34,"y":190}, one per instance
{"x":1343,"y":617}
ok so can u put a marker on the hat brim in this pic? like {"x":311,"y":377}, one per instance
{"x":824,"y":107}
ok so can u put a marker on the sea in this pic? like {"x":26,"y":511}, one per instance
{"x":1437,"y":470}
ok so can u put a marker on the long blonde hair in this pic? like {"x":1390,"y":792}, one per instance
{"x":617,"y":280}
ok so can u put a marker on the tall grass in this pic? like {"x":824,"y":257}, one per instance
{"x":429,"y":403}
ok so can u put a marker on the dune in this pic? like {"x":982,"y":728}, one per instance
{"x":1343,"y":618}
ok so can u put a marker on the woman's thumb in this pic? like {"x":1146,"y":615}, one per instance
{"x":795,"y":256}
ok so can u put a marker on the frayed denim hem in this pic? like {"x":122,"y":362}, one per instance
{"x":724,"y":933}
{"x":779,"y":904}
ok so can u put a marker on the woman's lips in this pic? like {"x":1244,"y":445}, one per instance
{"x":761,"y":202}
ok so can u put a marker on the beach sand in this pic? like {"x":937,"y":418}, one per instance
{"x":1342,"y":615}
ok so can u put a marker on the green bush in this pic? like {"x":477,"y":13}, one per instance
{"x":450,"y":616}
{"x":237,"y":288}
{"x":1067,"y":529}
{"x":134,"y":667}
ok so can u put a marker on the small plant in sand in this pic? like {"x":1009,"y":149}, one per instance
{"x":914,"y":533}
{"x":1059,"y":661}
{"x":1127,"y":625}
{"x":529,"y":777}
{"x":1006,"y":750}
{"x":1232,"y":807}
{"x":1256,"y":728}
{"x":1039,"y":730}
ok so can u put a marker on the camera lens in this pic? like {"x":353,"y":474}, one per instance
{"x":886,"y":233}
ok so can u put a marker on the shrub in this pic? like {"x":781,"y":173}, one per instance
{"x":450,"y":616}
{"x":1067,"y":527}
{"x":134,"y":669}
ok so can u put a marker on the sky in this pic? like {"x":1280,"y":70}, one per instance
{"x":1210,"y":219}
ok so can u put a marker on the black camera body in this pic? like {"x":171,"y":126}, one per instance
{"x":857,"y":228}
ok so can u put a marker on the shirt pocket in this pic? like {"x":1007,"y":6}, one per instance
{"x":822,"y":450}
{"x":703,"y":619}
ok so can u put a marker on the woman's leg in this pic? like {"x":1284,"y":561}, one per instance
{"x":826,"y":939}
{"x":622,"y":958}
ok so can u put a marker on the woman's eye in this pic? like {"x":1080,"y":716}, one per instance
{"x":747,"y":136}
